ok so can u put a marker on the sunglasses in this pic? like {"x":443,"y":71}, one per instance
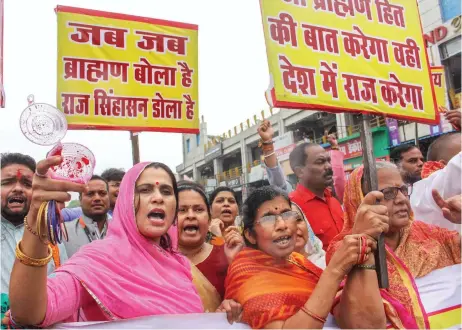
{"x":270,"y":220}
{"x":390,"y":193}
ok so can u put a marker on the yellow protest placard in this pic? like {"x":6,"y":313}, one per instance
{"x":125,"y":72}
{"x":439,"y":84}
{"x":340,"y":56}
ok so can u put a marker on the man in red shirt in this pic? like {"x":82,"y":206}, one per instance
{"x":311,"y":163}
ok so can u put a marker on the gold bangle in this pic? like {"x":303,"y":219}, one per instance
{"x":40,"y":219}
{"x":28,"y":261}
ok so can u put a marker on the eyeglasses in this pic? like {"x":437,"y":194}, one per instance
{"x":390,"y":193}
{"x":270,"y":220}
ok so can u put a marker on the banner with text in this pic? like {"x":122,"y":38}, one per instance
{"x":360,"y":56}
{"x":125,"y":72}
{"x":439,"y":84}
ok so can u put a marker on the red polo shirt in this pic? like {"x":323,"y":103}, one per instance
{"x":324,"y":215}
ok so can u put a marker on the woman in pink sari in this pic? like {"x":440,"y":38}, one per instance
{"x":133,"y":272}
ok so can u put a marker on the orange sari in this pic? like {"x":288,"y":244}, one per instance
{"x":268,"y":291}
{"x":422,"y":249}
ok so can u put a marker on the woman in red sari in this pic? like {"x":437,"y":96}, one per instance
{"x":413,"y":249}
{"x":209,"y":262}
{"x":279,"y":288}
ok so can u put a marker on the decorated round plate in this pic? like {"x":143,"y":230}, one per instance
{"x":43,"y":124}
{"x":78,"y":162}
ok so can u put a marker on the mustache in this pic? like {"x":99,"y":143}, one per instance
{"x":329,"y":172}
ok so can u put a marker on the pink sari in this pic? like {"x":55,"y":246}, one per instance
{"x":129,"y":276}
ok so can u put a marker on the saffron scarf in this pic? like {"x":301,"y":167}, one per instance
{"x":431,"y":167}
{"x":269,"y":291}
{"x":422,"y":249}
{"x":126,"y":273}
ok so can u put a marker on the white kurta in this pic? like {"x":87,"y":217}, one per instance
{"x":448,"y":183}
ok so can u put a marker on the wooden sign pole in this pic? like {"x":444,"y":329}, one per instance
{"x":135,"y":148}
{"x":370,"y":175}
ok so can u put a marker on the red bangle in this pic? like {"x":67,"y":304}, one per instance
{"x":362,"y":256}
{"x":313,"y":315}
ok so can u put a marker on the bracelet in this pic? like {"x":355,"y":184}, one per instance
{"x":313,"y":315}
{"x":269,"y":155}
{"x":334,"y":148}
{"x":362,"y":266}
{"x":41,"y":218}
{"x":28,"y":261}
{"x":28,"y":227}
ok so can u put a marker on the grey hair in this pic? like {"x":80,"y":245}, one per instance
{"x":385,"y":165}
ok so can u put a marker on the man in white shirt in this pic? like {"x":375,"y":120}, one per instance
{"x":446,"y":181}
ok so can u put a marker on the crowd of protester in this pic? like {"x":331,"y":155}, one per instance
{"x":143,"y":244}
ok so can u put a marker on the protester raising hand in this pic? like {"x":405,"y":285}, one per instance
{"x":44,"y":189}
{"x":371,"y":219}
{"x":234,"y":242}
{"x":266,"y":131}
{"x":450,"y":207}
{"x":454,"y":117}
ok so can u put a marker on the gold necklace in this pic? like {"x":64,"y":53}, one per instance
{"x":293,"y":262}
{"x":190,"y":256}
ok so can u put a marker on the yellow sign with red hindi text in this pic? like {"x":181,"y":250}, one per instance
{"x":439,"y":84}
{"x":363,"y":56}
{"x":123,"y":72}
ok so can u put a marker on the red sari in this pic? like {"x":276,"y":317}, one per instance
{"x":215,"y":268}
{"x":422,"y":249}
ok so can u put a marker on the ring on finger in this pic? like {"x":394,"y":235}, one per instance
{"x":40,"y":175}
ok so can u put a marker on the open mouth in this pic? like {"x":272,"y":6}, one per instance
{"x":402,"y":213}
{"x":191,"y":229}
{"x":157,"y":216}
{"x":283,"y":241}
{"x":16,"y":201}
{"x":227,"y":212}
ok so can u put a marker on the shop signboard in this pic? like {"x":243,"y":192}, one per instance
{"x":444,"y":32}
{"x":283,"y":145}
{"x":393,"y":131}
{"x":233,"y":183}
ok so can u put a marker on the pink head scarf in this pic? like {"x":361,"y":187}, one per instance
{"x":128,"y":273}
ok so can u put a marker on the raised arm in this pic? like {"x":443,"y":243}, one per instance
{"x":28,"y":284}
{"x":276,"y":176}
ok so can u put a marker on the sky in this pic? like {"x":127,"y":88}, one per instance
{"x":233,"y":72}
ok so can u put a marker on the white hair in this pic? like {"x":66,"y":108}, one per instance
{"x":385,"y":165}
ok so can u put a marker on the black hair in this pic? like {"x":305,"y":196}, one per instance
{"x":396,"y":153}
{"x":100,"y":178}
{"x":184,"y":185}
{"x":254,"y":201}
{"x":218,"y":190}
{"x":113,"y":174}
{"x":165,"y":240}
{"x":96,"y":177}
{"x":298,"y":156}
{"x":436,"y":149}
{"x":7,"y":159}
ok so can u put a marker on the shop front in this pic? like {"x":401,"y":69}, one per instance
{"x":352,"y":148}
{"x":444,"y":48}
